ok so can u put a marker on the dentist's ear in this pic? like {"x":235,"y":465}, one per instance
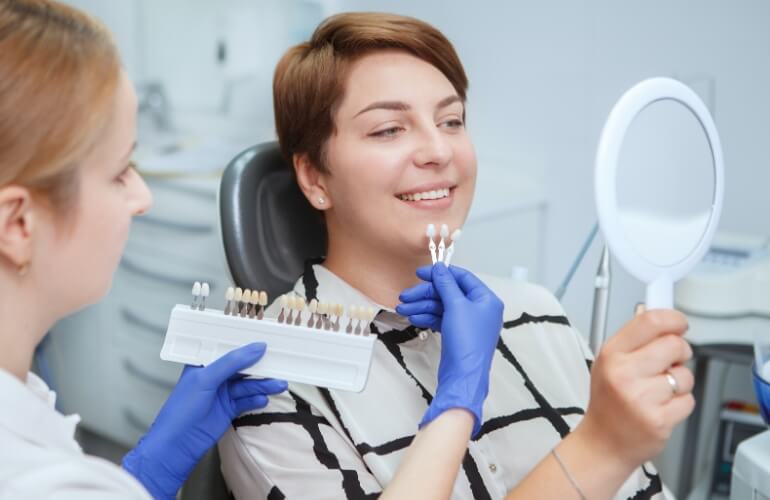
{"x":311,"y":182}
{"x":16,"y":225}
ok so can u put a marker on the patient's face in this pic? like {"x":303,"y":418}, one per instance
{"x":399,"y":136}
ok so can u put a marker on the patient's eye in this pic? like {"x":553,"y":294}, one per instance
{"x":388,"y":132}
{"x":453,"y":123}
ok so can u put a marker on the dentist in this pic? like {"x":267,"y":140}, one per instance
{"x":68,"y":193}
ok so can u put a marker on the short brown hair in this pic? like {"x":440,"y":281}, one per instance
{"x":309,"y":80}
{"x":59,"y":71}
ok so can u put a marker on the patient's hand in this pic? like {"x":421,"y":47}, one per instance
{"x":633,"y":406}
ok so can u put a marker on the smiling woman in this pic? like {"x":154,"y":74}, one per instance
{"x":370,"y":114}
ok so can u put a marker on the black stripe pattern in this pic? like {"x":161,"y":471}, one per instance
{"x":393,"y":341}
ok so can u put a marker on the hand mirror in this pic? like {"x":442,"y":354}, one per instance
{"x":659,"y":184}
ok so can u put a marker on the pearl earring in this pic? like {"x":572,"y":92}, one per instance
{"x":321,"y":200}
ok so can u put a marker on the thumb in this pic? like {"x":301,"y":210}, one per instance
{"x":445,"y":284}
{"x":233,"y":362}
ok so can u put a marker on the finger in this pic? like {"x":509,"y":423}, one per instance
{"x":465,"y":279}
{"x":425,"y":273}
{"x":679,"y":408}
{"x":426,"y":321}
{"x":423,"y":291}
{"x":232,"y":362}
{"x":661,"y":353}
{"x":468,"y":282}
{"x":684,"y":383}
{"x":645,"y":327}
{"x":421,"y":307}
{"x":250,"y":387}
{"x":250,"y":403}
{"x":658,"y":390}
{"x":446,"y":285}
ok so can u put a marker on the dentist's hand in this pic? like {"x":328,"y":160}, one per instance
{"x":633,"y":407}
{"x":198,"y":412}
{"x":469,"y":317}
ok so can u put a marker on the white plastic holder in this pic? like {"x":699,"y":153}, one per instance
{"x":335,"y":360}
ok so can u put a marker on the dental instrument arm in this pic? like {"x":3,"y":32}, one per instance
{"x":601,"y":303}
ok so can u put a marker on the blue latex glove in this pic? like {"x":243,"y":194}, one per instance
{"x":469,"y":316}
{"x":197,"y":413}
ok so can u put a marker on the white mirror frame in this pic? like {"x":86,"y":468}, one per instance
{"x":660,"y":279}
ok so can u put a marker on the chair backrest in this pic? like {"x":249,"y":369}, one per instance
{"x":268,"y":227}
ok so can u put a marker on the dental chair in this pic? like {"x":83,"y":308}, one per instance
{"x":269,"y":230}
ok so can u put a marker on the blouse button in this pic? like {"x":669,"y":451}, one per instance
{"x":423,"y":335}
{"x":492,"y":468}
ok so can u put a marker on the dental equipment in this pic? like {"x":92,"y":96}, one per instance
{"x":196,"y":293}
{"x":451,"y":250}
{"x":430,"y":232}
{"x":444,"y":254}
{"x":229,"y":296}
{"x":204,"y":295}
{"x":318,"y":355}
{"x":601,"y":303}
{"x":444,"y":233}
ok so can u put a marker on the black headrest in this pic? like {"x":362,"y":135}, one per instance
{"x":269,"y":229}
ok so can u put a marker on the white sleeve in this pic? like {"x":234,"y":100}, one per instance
{"x":82,"y":478}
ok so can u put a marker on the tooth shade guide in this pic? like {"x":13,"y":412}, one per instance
{"x":262,"y":301}
{"x":307,"y":356}
{"x":352,"y":311}
{"x":284,"y":301}
{"x":196,"y":292}
{"x":253,"y":303}
{"x":444,"y":231}
{"x":299,"y":305}
{"x":229,"y":294}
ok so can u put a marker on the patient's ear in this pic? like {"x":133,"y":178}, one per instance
{"x":312,"y":182}
{"x":16,"y":225}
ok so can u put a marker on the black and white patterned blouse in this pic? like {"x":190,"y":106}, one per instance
{"x":325,"y":444}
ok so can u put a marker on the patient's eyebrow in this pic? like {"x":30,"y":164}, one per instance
{"x":390,"y":105}
{"x":443,"y":103}
{"x":402,"y":106}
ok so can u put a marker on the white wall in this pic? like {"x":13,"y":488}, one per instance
{"x":544,"y":75}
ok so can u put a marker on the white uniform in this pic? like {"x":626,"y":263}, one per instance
{"x":39,"y":457}
{"x":326,"y":444}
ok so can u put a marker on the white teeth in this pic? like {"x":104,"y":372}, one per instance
{"x":427,"y":195}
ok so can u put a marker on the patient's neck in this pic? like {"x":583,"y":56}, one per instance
{"x":380,"y":275}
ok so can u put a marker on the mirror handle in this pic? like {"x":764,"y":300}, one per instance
{"x":660,"y":293}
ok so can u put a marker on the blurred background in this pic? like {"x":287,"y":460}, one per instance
{"x":544,"y":74}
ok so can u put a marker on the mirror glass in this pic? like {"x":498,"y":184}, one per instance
{"x":665,"y":182}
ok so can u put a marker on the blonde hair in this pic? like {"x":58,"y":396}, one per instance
{"x":59,"y":71}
